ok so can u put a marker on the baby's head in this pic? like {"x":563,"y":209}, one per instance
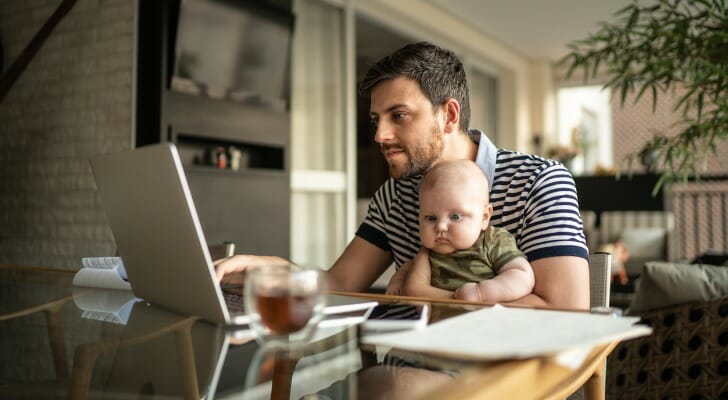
{"x":454,"y":206}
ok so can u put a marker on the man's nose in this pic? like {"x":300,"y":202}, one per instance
{"x":383,"y":133}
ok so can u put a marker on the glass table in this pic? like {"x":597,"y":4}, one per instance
{"x":61,"y":341}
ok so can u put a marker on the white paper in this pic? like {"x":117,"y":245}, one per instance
{"x":104,"y":304}
{"x":102,"y":272}
{"x":100,"y":278}
{"x":509,"y":333}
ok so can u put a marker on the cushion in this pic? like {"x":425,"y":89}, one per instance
{"x":663,"y":284}
{"x":645,"y":243}
{"x":712,"y":257}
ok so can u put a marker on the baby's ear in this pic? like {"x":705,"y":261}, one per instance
{"x":486,"y":216}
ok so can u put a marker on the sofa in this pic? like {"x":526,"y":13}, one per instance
{"x":686,"y":357}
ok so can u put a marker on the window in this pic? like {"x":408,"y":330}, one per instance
{"x":584,"y":139}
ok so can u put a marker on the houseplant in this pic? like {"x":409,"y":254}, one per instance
{"x":667,"y":45}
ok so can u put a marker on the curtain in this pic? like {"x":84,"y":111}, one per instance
{"x":318,"y":140}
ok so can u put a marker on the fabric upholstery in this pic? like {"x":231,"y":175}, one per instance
{"x":664,"y":284}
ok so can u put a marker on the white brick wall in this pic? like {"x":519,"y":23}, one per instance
{"x":73,"y":101}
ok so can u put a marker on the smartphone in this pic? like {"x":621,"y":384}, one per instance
{"x":391,"y":317}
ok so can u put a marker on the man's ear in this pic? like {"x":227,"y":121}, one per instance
{"x":451,"y":115}
{"x":486,"y":217}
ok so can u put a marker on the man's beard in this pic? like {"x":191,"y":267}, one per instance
{"x":420,"y":158}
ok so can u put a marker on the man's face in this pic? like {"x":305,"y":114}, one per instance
{"x":408,"y":130}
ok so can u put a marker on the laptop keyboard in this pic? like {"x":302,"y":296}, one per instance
{"x":234,"y":301}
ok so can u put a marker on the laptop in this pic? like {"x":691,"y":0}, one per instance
{"x":150,"y":209}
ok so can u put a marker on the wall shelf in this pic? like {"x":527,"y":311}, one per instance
{"x":228,"y":201}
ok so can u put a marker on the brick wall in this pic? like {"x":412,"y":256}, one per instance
{"x":634,"y":124}
{"x":73,"y":101}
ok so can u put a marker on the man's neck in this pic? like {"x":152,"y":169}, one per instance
{"x":458,"y":147}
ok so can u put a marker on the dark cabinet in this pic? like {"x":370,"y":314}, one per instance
{"x":250,"y":203}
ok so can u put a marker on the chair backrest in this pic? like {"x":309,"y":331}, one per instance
{"x":589,"y":221}
{"x":600,"y":277}
{"x":218,"y":251}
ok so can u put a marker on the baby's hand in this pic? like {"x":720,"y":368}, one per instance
{"x":469,"y":292}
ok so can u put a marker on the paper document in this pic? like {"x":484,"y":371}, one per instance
{"x":507,"y":333}
{"x":104,"y":304}
{"x":102,"y":272}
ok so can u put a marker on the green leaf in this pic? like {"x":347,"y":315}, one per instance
{"x":666,"y":45}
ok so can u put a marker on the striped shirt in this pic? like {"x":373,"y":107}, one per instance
{"x":532,"y":197}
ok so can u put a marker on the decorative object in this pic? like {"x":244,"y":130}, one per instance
{"x":667,"y":45}
{"x":649,"y":159}
{"x":563,"y":154}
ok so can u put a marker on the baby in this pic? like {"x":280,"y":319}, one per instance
{"x":462,"y":256}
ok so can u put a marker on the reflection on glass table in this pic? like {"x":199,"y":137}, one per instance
{"x":51,"y":347}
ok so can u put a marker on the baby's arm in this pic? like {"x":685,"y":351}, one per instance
{"x":514,"y":280}
{"x":418,"y":279}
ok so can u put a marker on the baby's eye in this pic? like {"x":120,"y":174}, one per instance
{"x":456,"y":217}
{"x":429,"y":218}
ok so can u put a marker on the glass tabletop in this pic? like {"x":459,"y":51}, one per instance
{"x":61,"y":341}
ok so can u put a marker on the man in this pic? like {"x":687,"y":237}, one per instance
{"x":420,"y":109}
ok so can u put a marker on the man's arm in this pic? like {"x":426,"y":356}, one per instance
{"x":418,"y":279}
{"x":359,"y":266}
{"x":561,"y":282}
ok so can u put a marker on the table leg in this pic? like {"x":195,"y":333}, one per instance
{"x":594,"y":387}
{"x":282,"y":375}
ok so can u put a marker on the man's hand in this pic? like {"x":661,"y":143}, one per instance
{"x":397,"y":281}
{"x":418,"y":279}
{"x":232,"y":270}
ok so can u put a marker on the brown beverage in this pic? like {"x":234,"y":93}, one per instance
{"x":283,"y":313}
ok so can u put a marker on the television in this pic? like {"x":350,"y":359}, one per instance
{"x":237,"y":51}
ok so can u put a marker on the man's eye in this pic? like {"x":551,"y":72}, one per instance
{"x":456,"y":217}
{"x":398,"y":116}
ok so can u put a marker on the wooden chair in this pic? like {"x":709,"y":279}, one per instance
{"x":224,"y":250}
{"x":600,"y":265}
{"x":600,"y":277}
{"x":684,"y":358}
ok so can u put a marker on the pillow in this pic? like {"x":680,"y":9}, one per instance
{"x":645,"y":243}
{"x":664,"y":284}
{"x":712,"y":257}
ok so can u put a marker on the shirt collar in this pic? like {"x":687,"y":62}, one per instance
{"x":486,"y":155}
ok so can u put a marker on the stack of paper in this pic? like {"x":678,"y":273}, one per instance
{"x":508,"y":333}
{"x":102,"y":272}
{"x":105,"y":305}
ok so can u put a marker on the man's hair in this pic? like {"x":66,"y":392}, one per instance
{"x":438,"y":71}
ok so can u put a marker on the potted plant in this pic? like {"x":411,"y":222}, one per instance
{"x":660,"y":46}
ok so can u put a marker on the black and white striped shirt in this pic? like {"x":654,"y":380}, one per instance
{"x":532,"y":197}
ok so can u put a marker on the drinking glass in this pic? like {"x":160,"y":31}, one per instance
{"x":285,"y":302}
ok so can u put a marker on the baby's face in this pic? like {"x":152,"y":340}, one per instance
{"x":451,"y":220}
